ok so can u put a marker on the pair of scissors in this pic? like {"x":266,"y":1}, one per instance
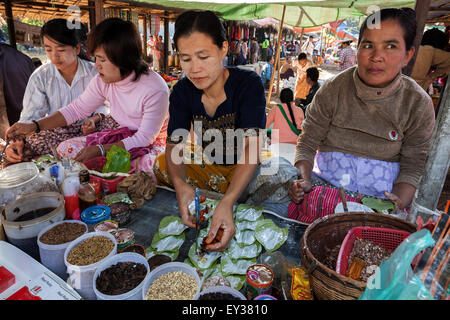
{"x":197,"y":216}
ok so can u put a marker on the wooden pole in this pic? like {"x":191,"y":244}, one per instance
{"x":99,"y":13}
{"x":280,"y":29}
{"x":91,"y":5}
{"x":10,"y":21}
{"x":421,"y":8}
{"x":436,"y":167}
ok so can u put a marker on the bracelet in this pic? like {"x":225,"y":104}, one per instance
{"x":38,"y":129}
{"x":102,"y":150}
{"x":102,"y":116}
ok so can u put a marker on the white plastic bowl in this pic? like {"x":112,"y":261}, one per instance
{"x":221,"y":289}
{"x":134,"y":294}
{"x":170,"y":267}
{"x":81,"y":276}
{"x":52,"y":255}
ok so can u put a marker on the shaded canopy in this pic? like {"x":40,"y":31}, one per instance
{"x":298,"y":13}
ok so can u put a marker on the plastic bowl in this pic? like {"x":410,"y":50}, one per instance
{"x":221,"y":289}
{"x":52,"y":255}
{"x":134,"y":294}
{"x":81,"y":276}
{"x":170,"y":267}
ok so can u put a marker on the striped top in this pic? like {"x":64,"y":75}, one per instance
{"x":47,"y":91}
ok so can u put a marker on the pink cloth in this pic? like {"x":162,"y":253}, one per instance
{"x":140,"y":105}
{"x":116,"y":135}
{"x":279,"y":122}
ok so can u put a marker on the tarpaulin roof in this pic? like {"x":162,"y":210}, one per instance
{"x":298,"y":13}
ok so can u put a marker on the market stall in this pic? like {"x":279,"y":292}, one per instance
{"x":121,"y":223}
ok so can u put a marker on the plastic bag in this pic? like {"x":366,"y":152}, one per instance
{"x":117,"y":160}
{"x":394,"y":279}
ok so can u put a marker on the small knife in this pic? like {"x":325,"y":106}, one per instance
{"x":197,"y":216}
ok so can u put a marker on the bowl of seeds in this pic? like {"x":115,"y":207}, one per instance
{"x":84,"y":255}
{"x":172,"y":281}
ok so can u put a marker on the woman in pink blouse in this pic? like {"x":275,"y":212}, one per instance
{"x":138,"y":97}
{"x":276,"y":117}
{"x":286,"y":121}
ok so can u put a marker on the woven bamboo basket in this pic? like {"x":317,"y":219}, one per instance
{"x":327,"y":232}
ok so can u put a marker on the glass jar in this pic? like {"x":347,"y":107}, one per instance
{"x":21,"y":179}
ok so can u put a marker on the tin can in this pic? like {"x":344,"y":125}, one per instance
{"x":258,"y":280}
{"x":124,"y":237}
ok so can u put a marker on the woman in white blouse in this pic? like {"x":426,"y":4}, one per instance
{"x":56,"y":84}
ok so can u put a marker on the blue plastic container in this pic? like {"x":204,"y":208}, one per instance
{"x":95,"y":214}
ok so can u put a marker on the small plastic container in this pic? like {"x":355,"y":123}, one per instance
{"x":120,"y":212}
{"x":134,"y":294}
{"x":108,"y":186}
{"x":265,"y":297}
{"x":94,"y":215}
{"x":81,"y":276}
{"x":221,"y":289}
{"x":107,"y":226}
{"x":136,"y":248}
{"x":258,"y":280}
{"x":170,"y":267}
{"x":52,"y":256}
{"x":124,"y":238}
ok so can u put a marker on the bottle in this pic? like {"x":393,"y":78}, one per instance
{"x":69,"y":188}
{"x":87,"y":196}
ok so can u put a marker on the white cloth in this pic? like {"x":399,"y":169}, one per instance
{"x":308,"y":47}
{"x":47,"y":91}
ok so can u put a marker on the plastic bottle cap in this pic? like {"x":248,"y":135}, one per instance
{"x":95,"y":214}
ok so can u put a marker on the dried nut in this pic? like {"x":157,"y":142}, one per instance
{"x":175,"y":285}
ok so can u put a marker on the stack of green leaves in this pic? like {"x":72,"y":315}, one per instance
{"x":169,"y":238}
{"x":253,"y":233}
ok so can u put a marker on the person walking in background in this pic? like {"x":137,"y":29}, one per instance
{"x":347,"y":56}
{"x":254,"y":51}
{"x":158,"y":60}
{"x":312,"y":78}
{"x":245,"y":51}
{"x":151,"y":46}
{"x":15,"y":70}
{"x":308,"y":47}
{"x":264,"y":49}
{"x":432,"y":61}
{"x":302,"y":86}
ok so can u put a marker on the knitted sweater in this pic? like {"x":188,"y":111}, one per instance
{"x":394,"y":123}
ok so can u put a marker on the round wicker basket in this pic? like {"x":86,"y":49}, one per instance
{"x":323,"y":235}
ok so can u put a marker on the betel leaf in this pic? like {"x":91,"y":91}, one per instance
{"x":204,"y":260}
{"x":170,"y":243}
{"x":230,"y":266}
{"x":236,"y":281}
{"x":378,"y":204}
{"x":270,"y":235}
{"x":237,"y":251}
{"x":171,"y":226}
{"x":150,"y":252}
{"x":245,"y":237}
{"x":247,"y":225}
{"x":248,"y":213}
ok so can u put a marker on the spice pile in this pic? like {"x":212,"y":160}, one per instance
{"x":90,"y":251}
{"x":63,"y":233}
{"x":120,"y":278}
{"x":331,"y":256}
{"x":139,"y":187}
{"x":371,"y":254}
{"x":175,"y":285}
{"x":217,"y":296}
